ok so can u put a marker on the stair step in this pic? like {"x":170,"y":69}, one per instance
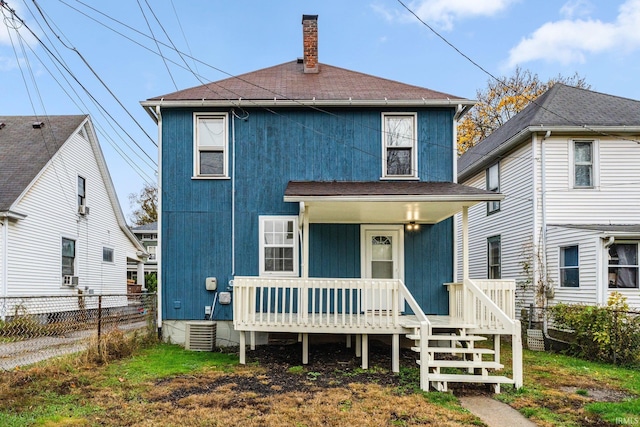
{"x":455,"y":378}
{"x":463,"y":364}
{"x":456,"y":338}
{"x":457,"y":350}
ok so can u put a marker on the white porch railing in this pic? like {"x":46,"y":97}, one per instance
{"x":320,"y":304}
{"x":489,"y":304}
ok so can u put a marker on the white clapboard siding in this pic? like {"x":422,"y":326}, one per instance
{"x":588,"y":243}
{"x":514,"y":221}
{"x":617,"y":198}
{"x":51,"y":208}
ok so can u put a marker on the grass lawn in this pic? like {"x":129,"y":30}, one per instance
{"x":166,"y":385}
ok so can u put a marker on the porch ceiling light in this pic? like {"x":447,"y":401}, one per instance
{"x":412,"y":226}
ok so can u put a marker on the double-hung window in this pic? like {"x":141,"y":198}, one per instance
{"x":569,"y":267}
{"x":583,"y":170}
{"x":494,"y":257}
{"x":68,"y":257}
{"x":279,"y":245}
{"x":493,"y":184}
{"x":399,"y":147}
{"x":211,"y":145}
{"x":82,"y":191}
{"x":623,"y":265}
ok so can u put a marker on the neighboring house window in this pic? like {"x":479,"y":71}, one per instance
{"x":279,"y":245}
{"x":68,"y":256}
{"x":493,"y":184}
{"x":211,"y":142}
{"x":399,"y":151}
{"x":623,"y":265}
{"x":583,"y":164}
{"x":494,"y":257}
{"x":152,"y":252}
{"x":569,"y":267}
{"x":107,"y":254}
{"x":82,"y":191}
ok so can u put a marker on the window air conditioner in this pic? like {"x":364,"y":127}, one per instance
{"x":83,"y":210}
{"x":70,"y":281}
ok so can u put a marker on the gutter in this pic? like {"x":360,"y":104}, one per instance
{"x":397,"y":198}
{"x":463,"y":104}
{"x":12,"y":215}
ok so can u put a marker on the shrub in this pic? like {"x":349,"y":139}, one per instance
{"x":608,"y":334}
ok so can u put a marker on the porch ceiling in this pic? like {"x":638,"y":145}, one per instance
{"x":384,"y":201}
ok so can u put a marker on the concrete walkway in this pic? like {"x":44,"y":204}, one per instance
{"x":494,"y":413}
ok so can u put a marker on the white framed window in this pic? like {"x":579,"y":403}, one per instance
{"x":494,"y":258}
{"x":82,"y":191}
{"x":68,"y":252}
{"x":107,"y":254}
{"x":399,"y":145}
{"x":569,"y":267}
{"x":279,"y":245}
{"x":493,"y":184}
{"x":152,"y":250}
{"x":584,"y":163}
{"x":211,"y":143}
{"x":623,"y":265}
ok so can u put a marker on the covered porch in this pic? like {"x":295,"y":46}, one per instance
{"x":379,"y":302}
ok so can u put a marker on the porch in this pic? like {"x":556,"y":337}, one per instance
{"x":478,"y":309}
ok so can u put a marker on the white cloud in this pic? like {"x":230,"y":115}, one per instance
{"x":575,"y":8}
{"x":568,"y":40}
{"x":444,"y":13}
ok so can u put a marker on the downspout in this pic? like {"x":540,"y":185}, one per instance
{"x":602,"y":294}
{"x":543,"y":202}
{"x":455,"y":180}
{"x":159,"y":249}
{"x":5,"y":266}
{"x":233,"y":193}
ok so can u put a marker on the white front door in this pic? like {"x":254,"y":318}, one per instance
{"x":382,"y":249}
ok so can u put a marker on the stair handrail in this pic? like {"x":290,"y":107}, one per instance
{"x":413,"y":304}
{"x":484,"y":299}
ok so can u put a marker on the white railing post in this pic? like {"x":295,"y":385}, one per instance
{"x":516,"y":356}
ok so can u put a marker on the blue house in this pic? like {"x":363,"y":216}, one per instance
{"x":318,"y":200}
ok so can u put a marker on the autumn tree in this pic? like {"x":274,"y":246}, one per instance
{"x":145,"y":204}
{"x":502,"y":99}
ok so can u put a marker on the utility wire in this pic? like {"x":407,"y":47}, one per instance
{"x":153,"y":36}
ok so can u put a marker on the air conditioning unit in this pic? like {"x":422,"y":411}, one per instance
{"x":200,"y":335}
{"x":70,"y":281}
{"x":83,"y":210}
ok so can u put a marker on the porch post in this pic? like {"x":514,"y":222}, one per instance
{"x":305,"y":240}
{"x":140,"y":272}
{"x":465,"y":243}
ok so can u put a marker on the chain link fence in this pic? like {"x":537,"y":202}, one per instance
{"x":35,"y":328}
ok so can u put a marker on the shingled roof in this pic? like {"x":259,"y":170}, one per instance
{"x":561,"y":107}
{"x":25,"y":149}
{"x":288,"y":82}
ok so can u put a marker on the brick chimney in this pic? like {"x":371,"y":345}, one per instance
{"x":310,"y":43}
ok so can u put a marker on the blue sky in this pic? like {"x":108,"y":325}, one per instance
{"x":599,"y":39}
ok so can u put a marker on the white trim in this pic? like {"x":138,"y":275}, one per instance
{"x":414,"y":146}
{"x":398,"y":198}
{"x":294,"y":245}
{"x":225,"y":149}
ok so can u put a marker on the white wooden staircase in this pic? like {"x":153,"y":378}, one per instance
{"x":452,"y":355}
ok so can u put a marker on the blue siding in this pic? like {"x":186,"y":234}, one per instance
{"x":271,"y":150}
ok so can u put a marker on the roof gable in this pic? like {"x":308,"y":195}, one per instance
{"x":25,"y":150}
{"x":289,"y":82}
{"x":560,"y":106}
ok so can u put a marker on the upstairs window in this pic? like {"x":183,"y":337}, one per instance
{"x":569,"y":267}
{"x":152,"y":250}
{"x":82,"y":191}
{"x":107,"y":254}
{"x":279,"y":245}
{"x":494,"y":260}
{"x":583,"y":164}
{"x":399,"y":151}
{"x":211,"y":145}
{"x":493,"y":184}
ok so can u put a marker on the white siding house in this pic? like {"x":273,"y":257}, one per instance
{"x":569,"y":227}
{"x":61,"y":226}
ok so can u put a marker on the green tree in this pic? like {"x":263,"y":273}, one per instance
{"x":145,"y":204}
{"x":503,"y":99}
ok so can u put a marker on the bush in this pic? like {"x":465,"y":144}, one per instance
{"x":608,"y":334}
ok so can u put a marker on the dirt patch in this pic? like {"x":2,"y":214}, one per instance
{"x":598,"y":394}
